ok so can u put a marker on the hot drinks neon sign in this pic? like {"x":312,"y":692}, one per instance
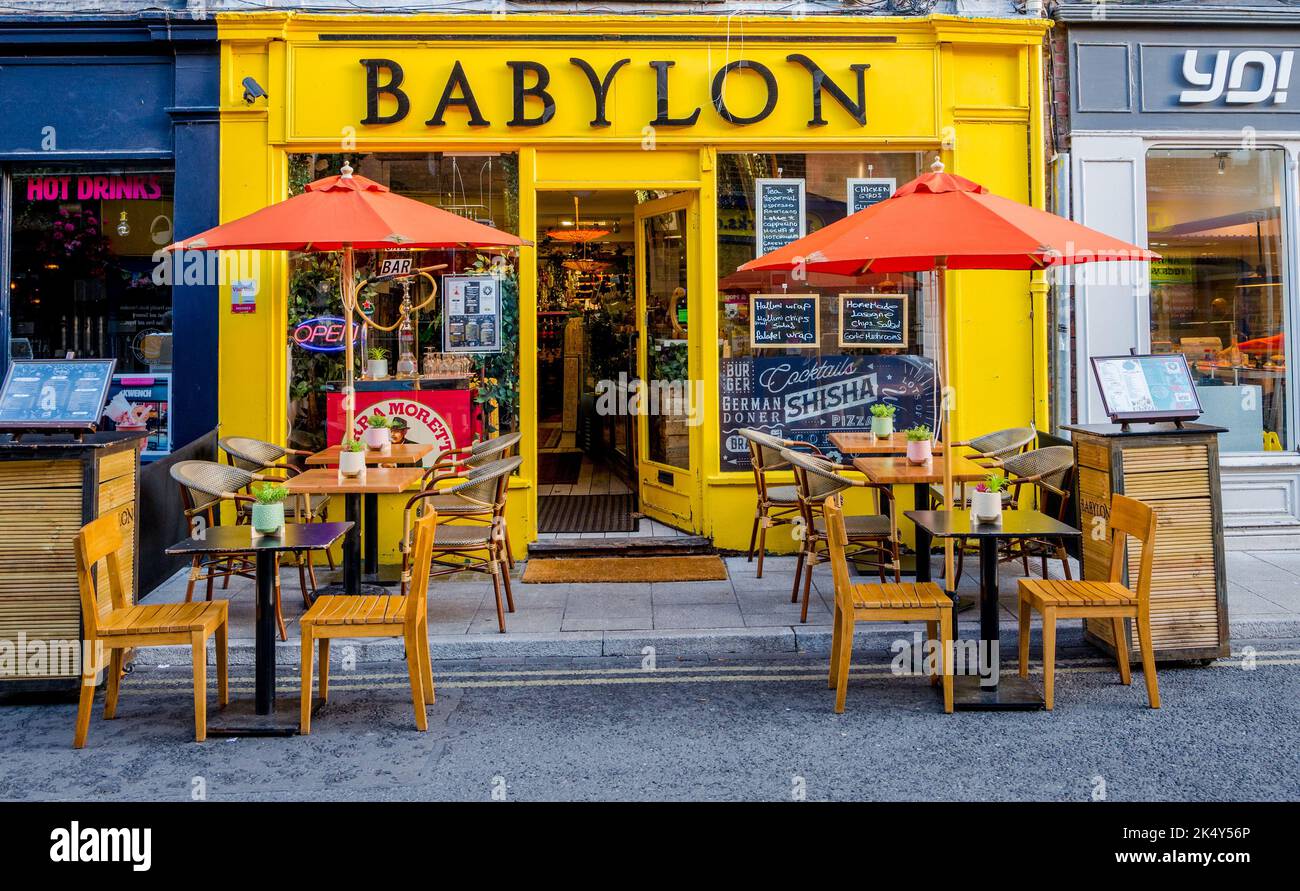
{"x":93,"y":188}
{"x":323,"y":334}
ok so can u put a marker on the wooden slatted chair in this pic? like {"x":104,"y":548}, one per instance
{"x":112,"y":626}
{"x":874,"y":537}
{"x":383,"y":615}
{"x":777,"y":505}
{"x":1099,"y":600}
{"x":888,"y":602}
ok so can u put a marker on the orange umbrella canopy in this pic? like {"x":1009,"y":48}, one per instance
{"x":348,"y":211}
{"x":939,"y":218}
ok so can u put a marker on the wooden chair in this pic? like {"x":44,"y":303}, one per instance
{"x":875,"y":534}
{"x":204,"y":486}
{"x":382,"y":615}
{"x":111,"y":625}
{"x":1099,"y":600}
{"x":896,"y":602}
{"x":478,"y":546}
{"x":777,"y":505}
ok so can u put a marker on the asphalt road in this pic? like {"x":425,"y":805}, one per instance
{"x":715,"y":729}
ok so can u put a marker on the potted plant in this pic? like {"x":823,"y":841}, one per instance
{"x":986,"y":500}
{"x":377,"y":363}
{"x":378,"y":433}
{"x":352,"y":457}
{"x":882,"y":419}
{"x":918,"y":444}
{"x":268,"y":509}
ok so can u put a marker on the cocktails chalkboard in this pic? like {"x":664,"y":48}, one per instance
{"x":66,"y":394}
{"x":779,"y":213}
{"x":784,"y":321}
{"x":873,"y":320}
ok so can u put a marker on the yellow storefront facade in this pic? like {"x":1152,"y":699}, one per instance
{"x":667,"y":108}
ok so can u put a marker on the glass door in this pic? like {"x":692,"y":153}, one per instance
{"x":669,"y":400}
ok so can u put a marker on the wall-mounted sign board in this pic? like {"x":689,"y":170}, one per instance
{"x":864,"y":191}
{"x":471,"y":315}
{"x":64,"y":394}
{"x":1146,"y":388}
{"x":779,"y":219}
{"x":785,"y":321}
{"x":873,"y":320}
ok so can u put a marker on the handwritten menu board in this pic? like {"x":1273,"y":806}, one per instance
{"x":873,"y":320}
{"x":864,"y":192}
{"x":784,"y":321}
{"x":1150,"y":387}
{"x":471,"y":314}
{"x":66,"y":394}
{"x":779,"y":213}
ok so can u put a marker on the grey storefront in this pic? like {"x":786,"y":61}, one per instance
{"x":1183,"y":134}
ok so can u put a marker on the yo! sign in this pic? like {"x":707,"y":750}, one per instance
{"x":323,"y":334}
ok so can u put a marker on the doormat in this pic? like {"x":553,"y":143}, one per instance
{"x":559,"y":468}
{"x":554,"y":570}
{"x":548,"y":436}
{"x":585,"y":513}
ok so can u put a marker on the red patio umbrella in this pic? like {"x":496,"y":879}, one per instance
{"x":938,"y":222}
{"x":348,"y":213}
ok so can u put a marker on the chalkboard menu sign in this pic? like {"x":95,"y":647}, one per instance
{"x":471,"y":317}
{"x":1147,"y":388}
{"x":864,"y":192}
{"x":63,"y":394}
{"x":784,"y":321}
{"x":810,"y":397}
{"x":779,"y":213}
{"x":873,"y":320}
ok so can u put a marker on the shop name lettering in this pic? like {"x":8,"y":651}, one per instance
{"x":1229,"y":77}
{"x":92,"y":188}
{"x":532,"y":80}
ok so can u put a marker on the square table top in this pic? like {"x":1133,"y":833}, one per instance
{"x":857,"y":442}
{"x":1014,"y":524}
{"x":897,"y":471}
{"x":399,"y":453}
{"x":377,"y":481}
{"x":239,"y":539}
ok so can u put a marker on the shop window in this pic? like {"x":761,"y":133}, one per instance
{"x":808,"y":390}
{"x":85,"y":281}
{"x":469,"y":379}
{"x":1219,"y":293}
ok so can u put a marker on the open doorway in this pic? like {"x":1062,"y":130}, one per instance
{"x":592,"y":451}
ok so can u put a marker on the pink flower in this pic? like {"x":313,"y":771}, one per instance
{"x":981,"y":488}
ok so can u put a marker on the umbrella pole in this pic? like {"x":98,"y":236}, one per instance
{"x":346,"y":274}
{"x":945,"y":403}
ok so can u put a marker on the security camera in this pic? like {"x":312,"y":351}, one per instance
{"x":252,"y":90}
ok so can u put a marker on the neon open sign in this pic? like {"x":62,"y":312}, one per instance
{"x":323,"y":334}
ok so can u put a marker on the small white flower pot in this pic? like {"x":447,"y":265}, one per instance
{"x":986,"y":507}
{"x":352,"y":463}
{"x":377,"y":438}
{"x":377,"y":369}
{"x":882,"y":426}
{"x":268,"y":519}
{"x":918,"y":452}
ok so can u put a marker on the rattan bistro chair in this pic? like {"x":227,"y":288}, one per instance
{"x":777,"y":505}
{"x":462,"y":463}
{"x":989,"y":450}
{"x":205,"y":486}
{"x":472,"y":546}
{"x":816,"y":480}
{"x":450,"y":505}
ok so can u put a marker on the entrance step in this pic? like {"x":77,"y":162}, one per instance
{"x":648,"y":546}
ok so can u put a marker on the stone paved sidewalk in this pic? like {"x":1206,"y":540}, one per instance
{"x":742,"y":613}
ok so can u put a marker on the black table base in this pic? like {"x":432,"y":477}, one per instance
{"x":240,"y":718}
{"x":1012,"y":693}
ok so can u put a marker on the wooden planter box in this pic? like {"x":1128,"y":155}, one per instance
{"x":49,"y":488}
{"x":1176,"y":472}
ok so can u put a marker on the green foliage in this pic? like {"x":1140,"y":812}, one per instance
{"x":668,"y":362}
{"x":378,"y":421}
{"x":271,"y":493}
{"x":994,"y":482}
{"x":919,"y":433}
{"x":881,"y":410}
{"x":376,"y":353}
{"x":499,"y":372}
{"x":353,"y":445}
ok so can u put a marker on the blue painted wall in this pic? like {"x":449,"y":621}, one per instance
{"x":144,"y":88}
